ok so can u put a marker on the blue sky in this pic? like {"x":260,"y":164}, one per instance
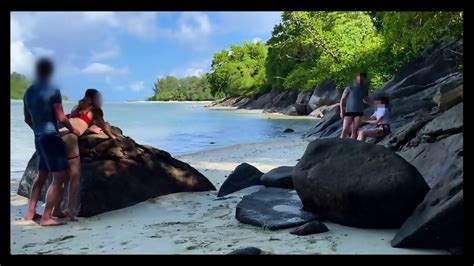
{"x":123,"y":53}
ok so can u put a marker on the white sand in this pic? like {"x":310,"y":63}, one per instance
{"x":195,"y":223}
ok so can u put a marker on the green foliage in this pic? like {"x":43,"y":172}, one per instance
{"x":239,"y":70}
{"x":407,"y":34}
{"x":185,"y":89}
{"x":18,"y":85}
{"x":320,"y":46}
{"x":307,"y":48}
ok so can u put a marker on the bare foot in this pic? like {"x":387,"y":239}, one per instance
{"x":59,"y":214}
{"x":71,"y":216}
{"x":50,"y":222}
{"x":30,"y":217}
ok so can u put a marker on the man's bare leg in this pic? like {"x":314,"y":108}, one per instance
{"x":35,"y":194}
{"x":57,"y":212}
{"x":52,"y":196}
{"x":346,"y":124}
{"x":355,"y":127}
{"x":75,"y":176}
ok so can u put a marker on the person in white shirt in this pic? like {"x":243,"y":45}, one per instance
{"x":380,"y":118}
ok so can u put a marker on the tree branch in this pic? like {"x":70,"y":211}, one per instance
{"x":320,"y":43}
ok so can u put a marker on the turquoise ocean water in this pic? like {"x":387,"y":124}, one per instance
{"x":178,"y":128}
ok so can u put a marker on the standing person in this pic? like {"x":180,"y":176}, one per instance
{"x":352,"y":105}
{"x":380,"y":118}
{"x":42,"y":110}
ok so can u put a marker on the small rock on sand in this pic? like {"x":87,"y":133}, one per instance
{"x":246,"y":251}
{"x":314,"y":227}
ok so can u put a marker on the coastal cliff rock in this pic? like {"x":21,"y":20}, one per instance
{"x":243,"y":176}
{"x":119,"y":173}
{"x":324,"y":94}
{"x":289,"y":102}
{"x":357,"y":184}
{"x":438,"y":222}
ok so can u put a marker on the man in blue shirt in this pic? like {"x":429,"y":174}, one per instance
{"x":42,"y":110}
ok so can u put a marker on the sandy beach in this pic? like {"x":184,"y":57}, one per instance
{"x":195,"y":223}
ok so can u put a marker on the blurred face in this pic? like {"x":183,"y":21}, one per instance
{"x":360,"y":79}
{"x":379,"y":103}
{"x":97,"y":101}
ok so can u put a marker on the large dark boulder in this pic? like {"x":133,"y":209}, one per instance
{"x":321,"y":111}
{"x":357,"y":184}
{"x":329,"y":126}
{"x":295,"y":109}
{"x":324,"y":94}
{"x":244,"y":175}
{"x":273,"y":209}
{"x":119,"y":173}
{"x":278,"y":177}
{"x":303,"y":97}
{"x":272,"y":101}
{"x":438,"y":222}
{"x":231,"y":101}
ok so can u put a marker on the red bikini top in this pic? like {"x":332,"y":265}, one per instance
{"x":83,"y":116}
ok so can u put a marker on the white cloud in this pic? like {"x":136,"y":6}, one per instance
{"x":140,"y":24}
{"x":193,"y":28}
{"x":256,"y":40}
{"x":137,"y":86}
{"x":21,"y":58}
{"x":101,"y":17}
{"x":99,"y":68}
{"x":38,"y":51}
{"x":195,"y":68}
{"x":195,"y":72}
{"x":109,"y":53}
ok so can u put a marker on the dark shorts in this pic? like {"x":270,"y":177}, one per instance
{"x":385,"y":128}
{"x":353,"y":114}
{"x":51,"y":153}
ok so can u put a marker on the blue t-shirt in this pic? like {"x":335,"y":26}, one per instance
{"x":39,"y":100}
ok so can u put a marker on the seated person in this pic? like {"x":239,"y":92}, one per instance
{"x":380,"y":118}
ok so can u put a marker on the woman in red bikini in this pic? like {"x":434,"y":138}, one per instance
{"x":86,"y":115}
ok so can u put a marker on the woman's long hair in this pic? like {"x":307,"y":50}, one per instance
{"x":85,"y":102}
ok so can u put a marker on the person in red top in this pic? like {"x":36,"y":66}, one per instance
{"x":87,"y":115}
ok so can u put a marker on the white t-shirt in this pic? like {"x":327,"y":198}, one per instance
{"x":384,"y":113}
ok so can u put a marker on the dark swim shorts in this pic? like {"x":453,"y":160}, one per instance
{"x":354,"y":114}
{"x":51,"y":153}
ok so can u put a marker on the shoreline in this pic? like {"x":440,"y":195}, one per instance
{"x":196,"y":222}
{"x":270,"y":115}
